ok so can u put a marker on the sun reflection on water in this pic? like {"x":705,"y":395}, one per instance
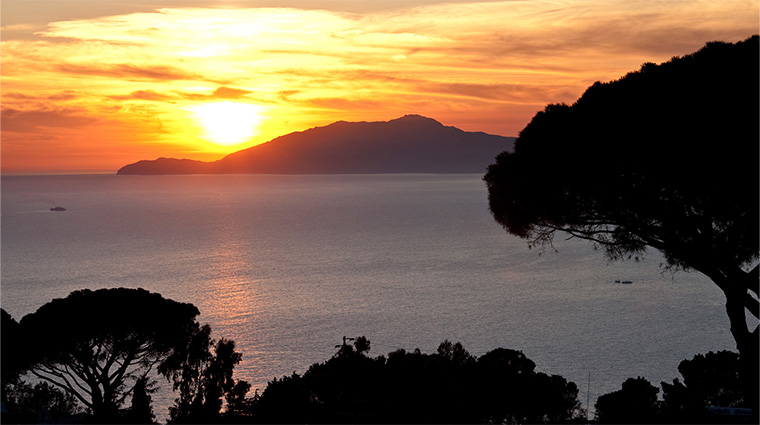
{"x":232,"y":301}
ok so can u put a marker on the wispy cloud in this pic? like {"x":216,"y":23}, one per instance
{"x":230,"y":93}
{"x":150,"y":95}
{"x":23,"y":121}
{"x":480,"y":66}
{"x":130,"y":72}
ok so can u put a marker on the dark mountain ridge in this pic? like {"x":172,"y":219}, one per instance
{"x":411,"y":144}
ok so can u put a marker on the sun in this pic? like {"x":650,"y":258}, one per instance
{"x":228,"y":123}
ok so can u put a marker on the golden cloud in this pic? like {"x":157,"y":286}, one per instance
{"x":484,"y":66}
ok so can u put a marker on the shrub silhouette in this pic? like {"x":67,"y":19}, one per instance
{"x":708,"y":380}
{"x":450,"y":386}
{"x":635,"y":403}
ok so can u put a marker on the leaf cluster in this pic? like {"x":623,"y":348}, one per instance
{"x":709,"y":380}
{"x":665,"y":157}
{"x":97,"y":344}
{"x":449,"y":386}
{"x":201,"y":371}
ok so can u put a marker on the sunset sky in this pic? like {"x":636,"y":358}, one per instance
{"x":91,"y":85}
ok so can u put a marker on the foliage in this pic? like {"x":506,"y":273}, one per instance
{"x":713,"y":378}
{"x":709,"y":380}
{"x":635,"y":162}
{"x":11,"y":355}
{"x":450,"y":386}
{"x":11,"y":350}
{"x":635,"y":403}
{"x":141,"y":411}
{"x":665,"y":157}
{"x":41,"y":403}
{"x":237,"y":403}
{"x":202,"y":372}
{"x":362,"y":345}
{"x":22,"y":402}
{"x":93,"y":343}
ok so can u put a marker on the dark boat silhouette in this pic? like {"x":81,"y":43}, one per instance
{"x":58,"y":209}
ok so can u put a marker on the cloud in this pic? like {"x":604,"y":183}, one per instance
{"x":230,"y":93}
{"x":150,"y":95}
{"x":479,"y":64}
{"x":131,"y":72}
{"x":286,"y":94}
{"x":16,"y":95}
{"x":24,"y":121}
{"x":346,"y":104}
{"x":65,"y":95}
{"x":447,"y":43}
{"x":178,"y":96}
{"x":519,"y":93}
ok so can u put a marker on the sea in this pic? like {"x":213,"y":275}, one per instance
{"x":287,"y":265}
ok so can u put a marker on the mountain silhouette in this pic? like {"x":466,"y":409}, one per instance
{"x":411,"y":144}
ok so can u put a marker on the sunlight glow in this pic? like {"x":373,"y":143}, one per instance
{"x":228,"y":123}
{"x":199,"y":82}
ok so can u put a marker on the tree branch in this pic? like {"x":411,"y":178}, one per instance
{"x":578,"y":233}
{"x":66,"y":385}
{"x":76,"y":381}
{"x":753,"y":279}
{"x":118,"y":376}
{"x":752,"y":304}
{"x":111,"y":357}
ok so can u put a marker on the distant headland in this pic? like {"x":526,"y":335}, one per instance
{"x":411,"y":144}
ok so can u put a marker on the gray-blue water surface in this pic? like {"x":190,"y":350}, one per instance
{"x":287,"y":265}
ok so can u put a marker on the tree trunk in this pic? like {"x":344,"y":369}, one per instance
{"x":748,"y":344}
{"x":736,"y":290}
{"x":103,"y":411}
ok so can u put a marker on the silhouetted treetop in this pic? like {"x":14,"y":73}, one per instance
{"x":708,"y":380}
{"x":635,"y":403}
{"x":665,"y":157}
{"x":98,"y":313}
{"x":449,"y":386}
{"x":93,"y":343}
{"x":712,"y":379}
{"x":11,"y":349}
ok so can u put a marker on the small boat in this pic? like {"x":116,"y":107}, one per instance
{"x":57,"y":209}
{"x":626,"y":282}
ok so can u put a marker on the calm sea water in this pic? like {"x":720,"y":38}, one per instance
{"x":288,"y":265}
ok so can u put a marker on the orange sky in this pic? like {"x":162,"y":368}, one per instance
{"x":97,"y":84}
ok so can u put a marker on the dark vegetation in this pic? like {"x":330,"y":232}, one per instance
{"x":101,"y":374}
{"x":665,"y":158}
{"x":93,"y":353}
{"x":710,"y":381}
{"x":411,"y":144}
{"x":449,"y":386}
{"x":102,"y":348}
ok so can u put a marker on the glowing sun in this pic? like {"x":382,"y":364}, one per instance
{"x":228,"y":123}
